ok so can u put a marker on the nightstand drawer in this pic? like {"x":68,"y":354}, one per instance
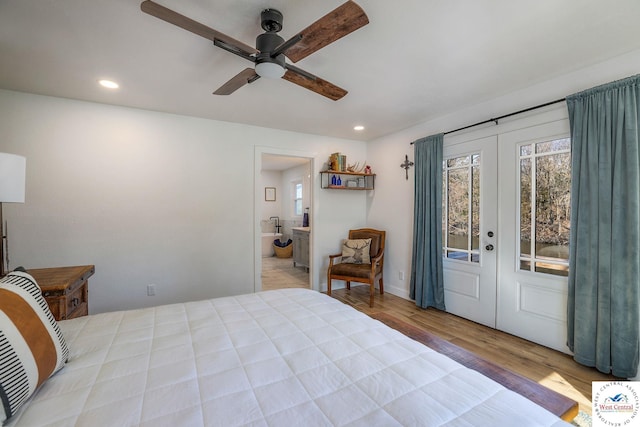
{"x":76,"y":300}
{"x":69,"y":303}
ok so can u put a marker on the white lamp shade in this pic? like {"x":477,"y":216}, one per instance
{"x":13,"y":170}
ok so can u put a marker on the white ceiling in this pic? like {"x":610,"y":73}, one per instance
{"x":273,"y":162}
{"x":416,"y":60}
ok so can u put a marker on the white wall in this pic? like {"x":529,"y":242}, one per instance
{"x":282,"y":182}
{"x":299,"y":173}
{"x":152,"y":198}
{"x":392,"y":207}
{"x":269,"y":209}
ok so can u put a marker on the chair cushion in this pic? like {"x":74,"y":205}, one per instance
{"x":31,"y":343}
{"x":352,"y":270}
{"x":356,"y":251}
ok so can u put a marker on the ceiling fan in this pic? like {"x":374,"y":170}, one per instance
{"x":271,"y":49}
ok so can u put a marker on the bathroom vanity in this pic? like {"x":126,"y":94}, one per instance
{"x":301,"y":247}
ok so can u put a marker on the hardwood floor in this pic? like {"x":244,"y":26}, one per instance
{"x":551,"y":368}
{"x":278,"y":273}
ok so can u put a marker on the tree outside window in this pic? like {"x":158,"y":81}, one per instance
{"x":545,"y":206}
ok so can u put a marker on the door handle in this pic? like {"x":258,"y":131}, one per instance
{"x":489,"y":247}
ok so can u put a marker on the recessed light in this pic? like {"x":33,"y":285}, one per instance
{"x":109,"y":84}
{"x":358,"y":127}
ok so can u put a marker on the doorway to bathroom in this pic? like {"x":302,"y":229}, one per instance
{"x":285,"y":198}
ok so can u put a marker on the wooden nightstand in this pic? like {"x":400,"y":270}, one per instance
{"x":66,"y":289}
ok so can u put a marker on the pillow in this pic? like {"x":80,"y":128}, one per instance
{"x":31,"y":343}
{"x":356,"y":251}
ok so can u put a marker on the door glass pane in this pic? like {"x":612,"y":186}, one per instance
{"x":461,"y":202}
{"x":555,"y":145}
{"x":525,"y":207}
{"x":553,"y":185}
{"x":458,"y":209}
{"x":545,"y":184}
{"x":458,"y":161}
{"x":444,"y":208}
{"x":475,"y":207}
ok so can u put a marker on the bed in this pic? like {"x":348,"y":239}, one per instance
{"x":290,"y":357}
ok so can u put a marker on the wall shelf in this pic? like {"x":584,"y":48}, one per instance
{"x":349,"y":180}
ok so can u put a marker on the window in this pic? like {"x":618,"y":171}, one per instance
{"x":545,"y":185}
{"x":461,"y":202}
{"x":297,"y":198}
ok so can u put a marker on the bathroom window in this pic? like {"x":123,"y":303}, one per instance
{"x":297,"y":198}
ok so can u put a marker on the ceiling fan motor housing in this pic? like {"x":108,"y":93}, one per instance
{"x":266,"y":43}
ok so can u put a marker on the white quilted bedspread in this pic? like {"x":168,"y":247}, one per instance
{"x":291,"y":357}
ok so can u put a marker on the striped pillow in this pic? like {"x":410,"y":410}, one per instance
{"x":32,"y":347}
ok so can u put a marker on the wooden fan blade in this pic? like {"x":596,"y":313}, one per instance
{"x":334,"y":25}
{"x":313,"y":83}
{"x":248,"y":75}
{"x":168,"y":15}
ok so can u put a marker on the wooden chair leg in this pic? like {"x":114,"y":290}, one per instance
{"x":348,"y":285}
{"x":329,"y":286}
{"x":372,"y":289}
{"x":381,"y":286}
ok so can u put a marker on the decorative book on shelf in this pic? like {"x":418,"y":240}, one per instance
{"x":338,"y":162}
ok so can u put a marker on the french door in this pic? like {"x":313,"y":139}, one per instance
{"x":505,"y":231}
{"x":534,"y":244}
{"x":470,"y":227}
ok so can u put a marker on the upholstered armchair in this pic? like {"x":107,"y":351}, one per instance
{"x":350,"y":265}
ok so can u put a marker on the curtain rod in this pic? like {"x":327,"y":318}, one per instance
{"x":504,"y":116}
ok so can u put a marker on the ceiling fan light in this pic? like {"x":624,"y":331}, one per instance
{"x":270,"y":70}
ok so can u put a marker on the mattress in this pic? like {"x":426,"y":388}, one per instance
{"x":290,"y":357}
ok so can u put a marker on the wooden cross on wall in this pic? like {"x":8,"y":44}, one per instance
{"x":406,"y":165}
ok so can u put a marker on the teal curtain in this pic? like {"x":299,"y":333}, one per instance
{"x":604,"y":261}
{"x":427,"y":286}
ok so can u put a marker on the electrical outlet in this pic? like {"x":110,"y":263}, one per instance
{"x":401,"y":275}
{"x":151,"y":290}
